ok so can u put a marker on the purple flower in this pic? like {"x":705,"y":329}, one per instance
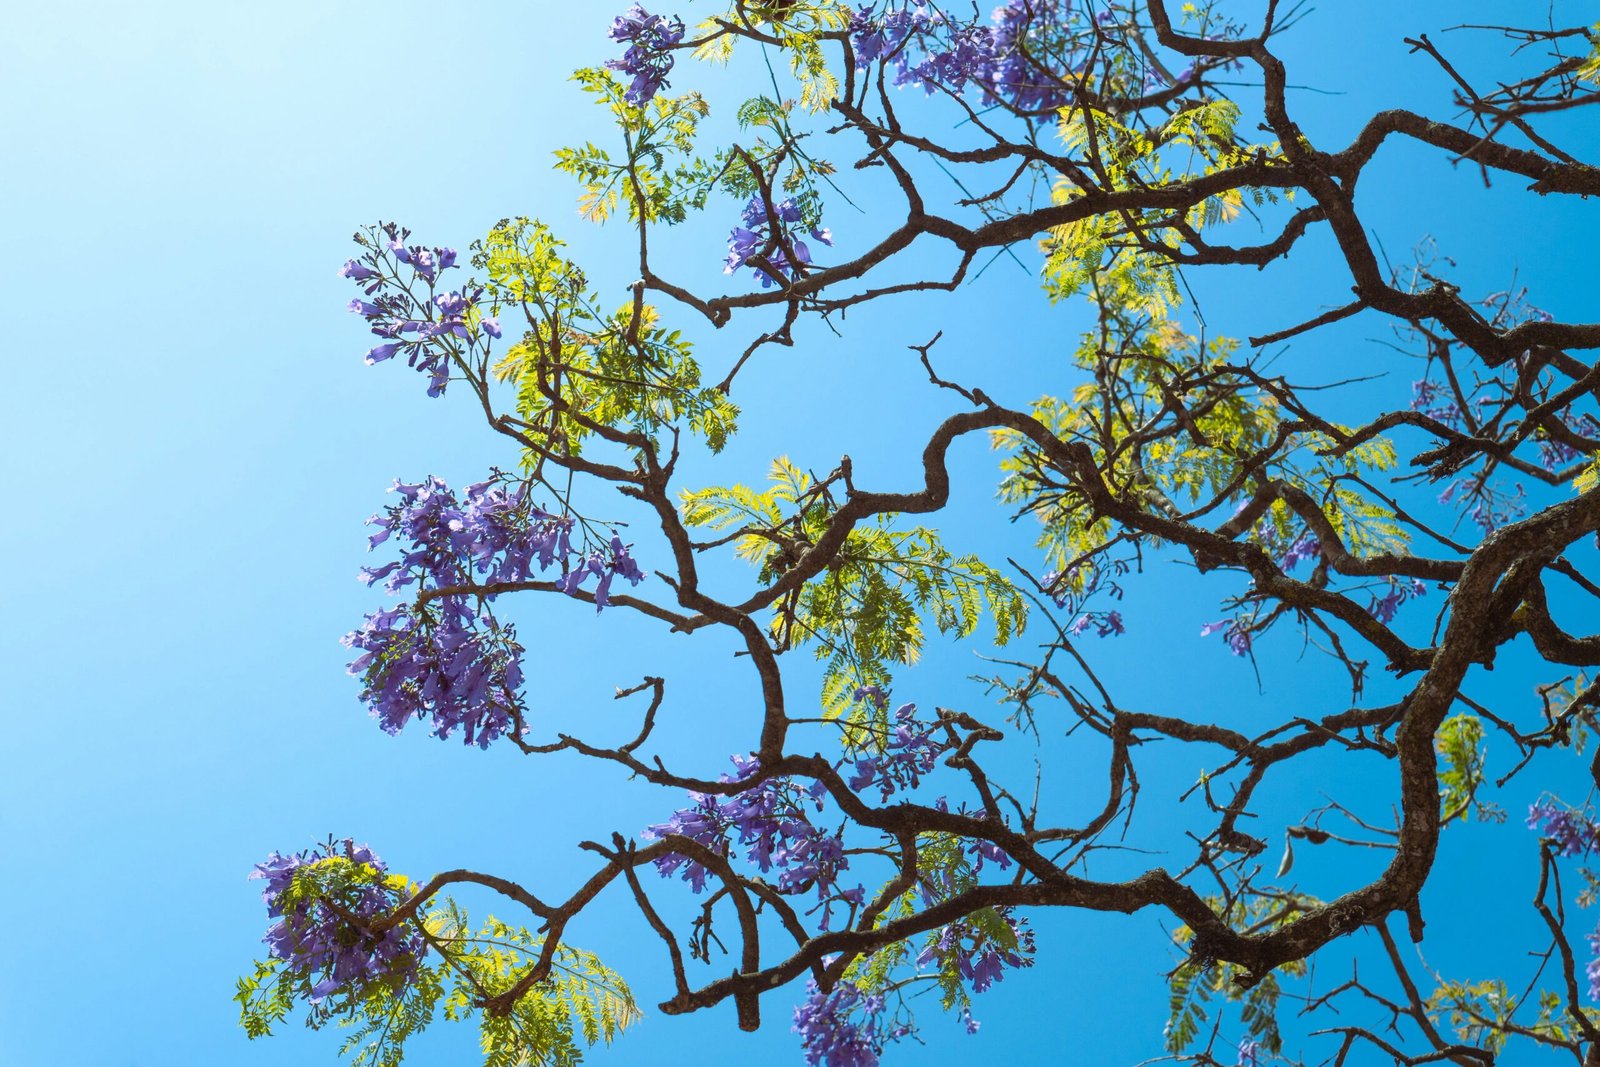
{"x":977,"y":958}
{"x":425,"y":326}
{"x":742,"y":244}
{"x":1011,"y":60}
{"x":1073,"y":588}
{"x":1104,"y":624}
{"x":829,"y":1033}
{"x":445,"y":663}
{"x":452,"y":304}
{"x":770,"y":820}
{"x":649,"y":58}
{"x":322,"y":929}
{"x":866,"y":774}
{"x":909,"y":752}
{"x":1289,"y":549}
{"x":757,"y":240}
{"x":1234,"y":631}
{"x":447,"y":659}
{"x":1304,"y":547}
{"x":873,"y":693}
{"x":1573,"y":832}
{"x":1429,"y":397}
{"x":1383,"y":608}
{"x":988,"y":850}
{"x":874,"y":38}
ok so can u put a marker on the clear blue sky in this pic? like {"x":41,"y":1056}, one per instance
{"x":193,"y":443}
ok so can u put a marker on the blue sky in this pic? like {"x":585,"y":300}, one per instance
{"x":193,"y":443}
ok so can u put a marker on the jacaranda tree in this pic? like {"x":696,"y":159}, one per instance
{"x":868,"y":842}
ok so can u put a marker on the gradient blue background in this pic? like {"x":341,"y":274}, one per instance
{"x":191,"y":444}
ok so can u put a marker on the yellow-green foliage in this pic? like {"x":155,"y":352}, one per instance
{"x":666,"y":126}
{"x":944,"y":870}
{"x":1136,"y":366}
{"x":1197,"y":983}
{"x":1198,"y":139}
{"x":582,"y":998}
{"x":1480,"y":1013}
{"x":1460,"y":743}
{"x":581,"y":1003}
{"x":613,"y":369}
{"x":868,"y":611}
{"x":1588,"y":477}
{"x":1128,"y":394}
{"x":798,"y":26}
{"x":1365,"y":526}
{"x":1590,"y":68}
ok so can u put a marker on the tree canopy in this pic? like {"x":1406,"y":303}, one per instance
{"x":874,"y":838}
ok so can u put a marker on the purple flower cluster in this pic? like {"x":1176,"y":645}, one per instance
{"x":1431,"y":399}
{"x":1554,"y":454}
{"x":1104,"y":624}
{"x":416,"y":317}
{"x":1009,"y":60}
{"x":772,"y":819}
{"x":830,"y":1033}
{"x":1593,"y":970}
{"x":771,"y":822}
{"x":605,"y":564}
{"x":1301,"y":549}
{"x":769,"y":234}
{"x":874,"y":36}
{"x":446,"y":658}
{"x":1235,"y":631}
{"x":909,"y":752}
{"x":443,"y":662}
{"x":493,"y":533}
{"x":322,"y":931}
{"x":874,"y":693}
{"x":1072,"y":589}
{"x":976,"y":957}
{"x":981,"y":850}
{"x":1289,"y":550}
{"x":1491,"y":506}
{"x":1574,"y":833}
{"x":648,"y":60}
{"x":942,"y":884}
{"x":1017,"y":71}
{"x":1383,"y":608}
{"x":1509,"y":307}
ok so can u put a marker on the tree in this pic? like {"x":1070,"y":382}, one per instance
{"x":864,"y":846}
